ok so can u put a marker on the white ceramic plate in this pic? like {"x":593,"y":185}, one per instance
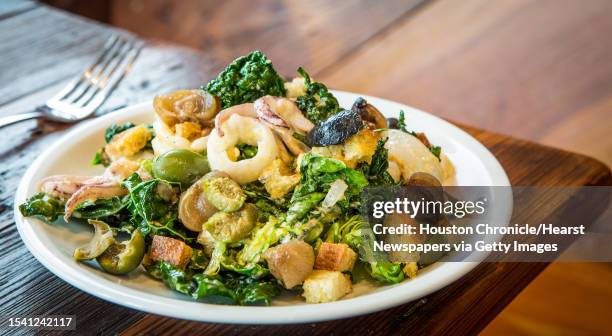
{"x":53,"y":245}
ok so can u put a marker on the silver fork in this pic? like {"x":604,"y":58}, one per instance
{"x":86,"y":93}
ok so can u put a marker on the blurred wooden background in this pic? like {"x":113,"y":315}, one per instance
{"x":534,"y":69}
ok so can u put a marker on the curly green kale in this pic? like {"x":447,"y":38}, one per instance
{"x":376,"y":171}
{"x":318,"y":104}
{"x":236,"y":289}
{"x":153,"y":211}
{"x":246,"y":79}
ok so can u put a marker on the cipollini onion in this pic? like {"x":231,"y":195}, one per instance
{"x":335,"y":193}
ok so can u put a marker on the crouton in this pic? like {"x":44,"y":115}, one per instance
{"x":170,"y":250}
{"x":290,"y":262}
{"x":335,"y":257}
{"x":326,"y":286}
{"x":411,"y":269}
{"x":295,"y":88}
{"x":129,"y":142}
{"x":277,"y":179}
{"x":360,"y":147}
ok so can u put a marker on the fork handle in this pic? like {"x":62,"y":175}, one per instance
{"x":8,"y":120}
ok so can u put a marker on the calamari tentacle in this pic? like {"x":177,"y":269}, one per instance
{"x":282,"y":112}
{"x":245,"y":110}
{"x":62,"y":186}
{"x":92,"y":193}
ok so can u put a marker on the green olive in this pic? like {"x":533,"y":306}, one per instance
{"x":180,"y":165}
{"x":122,"y":258}
{"x":102,"y":239}
{"x":230,"y":227}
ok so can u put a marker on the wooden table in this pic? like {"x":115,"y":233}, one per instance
{"x":42,"y":48}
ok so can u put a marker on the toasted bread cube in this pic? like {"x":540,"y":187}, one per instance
{"x":129,"y":142}
{"x":335,"y":257}
{"x":170,"y":250}
{"x":326,"y":286}
{"x":360,"y":147}
{"x":411,"y":269}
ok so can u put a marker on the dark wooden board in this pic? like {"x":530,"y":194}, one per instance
{"x":37,"y":61}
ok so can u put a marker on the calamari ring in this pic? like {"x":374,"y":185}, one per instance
{"x":239,"y":129}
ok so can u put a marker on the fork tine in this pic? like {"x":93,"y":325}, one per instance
{"x":102,"y":79}
{"x":91,"y":77}
{"x":100,"y":96}
{"x":68,"y":89}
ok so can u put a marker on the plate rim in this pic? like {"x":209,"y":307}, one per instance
{"x":193,"y":310}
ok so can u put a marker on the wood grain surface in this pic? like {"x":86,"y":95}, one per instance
{"x":407,"y":51}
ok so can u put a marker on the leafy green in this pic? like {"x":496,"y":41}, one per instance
{"x":224,"y":258}
{"x":249,"y":291}
{"x":318,"y":104}
{"x":356,"y":233}
{"x":199,"y":260}
{"x":318,"y":172}
{"x":376,"y":172}
{"x":101,"y":207}
{"x":101,"y":158}
{"x":305,"y":215}
{"x":401,"y":123}
{"x":246,"y":151}
{"x":175,"y":278}
{"x":152,"y":211}
{"x":210,"y":286}
{"x":115,"y":129}
{"x":436,"y":150}
{"x":261,"y":239}
{"x":42,"y":206}
{"x":246,"y":79}
{"x":256,"y":194}
{"x":236,"y":288}
{"x":386,"y":272}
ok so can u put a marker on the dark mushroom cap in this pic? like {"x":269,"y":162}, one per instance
{"x":369,"y":113}
{"x":335,"y":129}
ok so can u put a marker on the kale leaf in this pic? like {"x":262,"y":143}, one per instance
{"x":236,"y":289}
{"x":176,"y":278}
{"x":256,"y":194}
{"x":246,"y":151}
{"x":42,"y":206}
{"x":318,"y":104}
{"x":154,"y":208}
{"x":115,"y":129}
{"x":101,"y":207}
{"x":249,"y":291}
{"x":436,"y":150}
{"x":246,"y":79}
{"x":376,"y":172}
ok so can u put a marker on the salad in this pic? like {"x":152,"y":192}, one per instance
{"x":245,"y":188}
